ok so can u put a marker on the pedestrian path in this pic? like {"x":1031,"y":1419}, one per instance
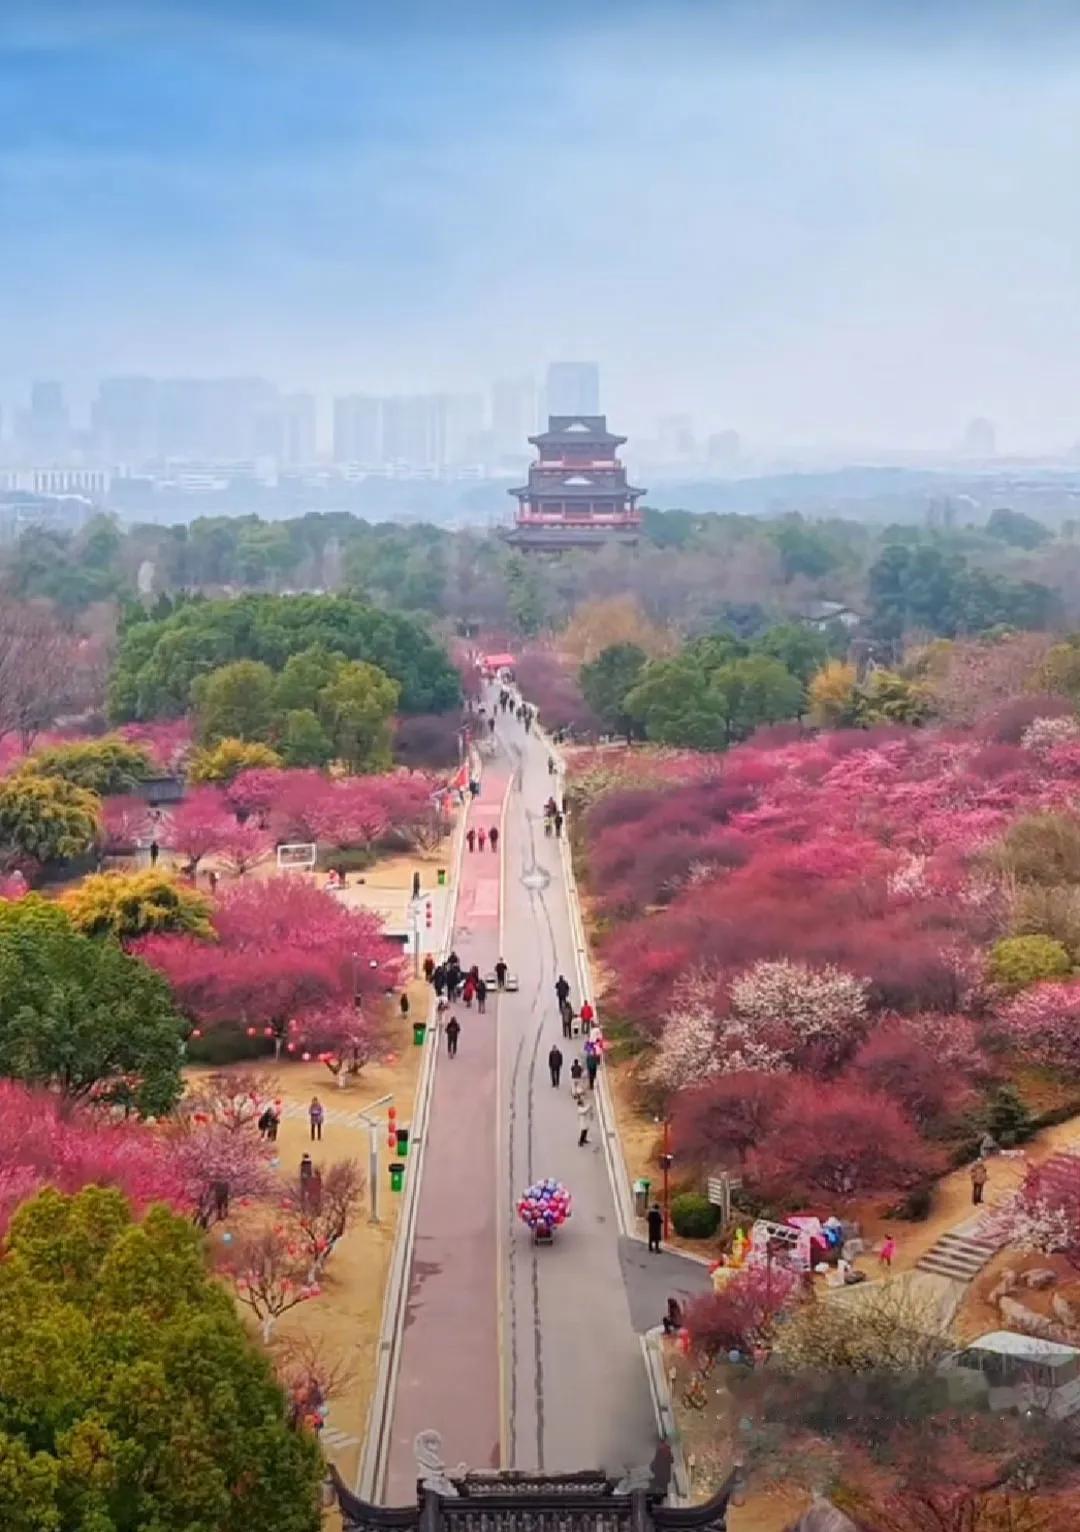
{"x":448,"y":1375}
{"x":334,"y":1116}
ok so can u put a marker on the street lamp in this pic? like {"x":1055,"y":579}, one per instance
{"x":665,"y":1165}
{"x":373,"y":1151}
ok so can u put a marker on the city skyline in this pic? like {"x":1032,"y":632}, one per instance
{"x":811,"y":228}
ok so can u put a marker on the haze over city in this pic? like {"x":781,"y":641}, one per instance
{"x":824,"y":227}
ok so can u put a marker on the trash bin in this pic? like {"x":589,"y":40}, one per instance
{"x":419,"y":1032}
{"x":403,"y":1142}
{"x":397,"y":1175}
{"x":641,"y":1197}
{"x":440,"y":877}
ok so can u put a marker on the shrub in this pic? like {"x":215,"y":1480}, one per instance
{"x":1044,"y":1023}
{"x":228,"y":758}
{"x":1006,"y":1117}
{"x":46,"y":818}
{"x":102,"y":766}
{"x":1049,"y":911}
{"x":907,"y":1067}
{"x":1042,"y":848}
{"x":1017,"y":961}
{"x":126,"y":905}
{"x":694,"y":1216}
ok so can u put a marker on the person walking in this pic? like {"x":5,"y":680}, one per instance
{"x":567,"y":1011}
{"x":887,"y":1251}
{"x":588,"y":1016}
{"x":577,"y":1074}
{"x":470,"y":837}
{"x":438,"y":980}
{"x":558,"y":825}
{"x":592,"y":1063}
{"x":493,"y":837}
{"x":481,"y":837}
{"x":212,"y":879}
{"x":555,"y":1063}
{"x":468,"y":991}
{"x":491,"y":726}
{"x":453,"y":1032}
{"x":275,"y":1122}
{"x":500,"y":973}
{"x":403,"y":1006}
{"x":265,"y":1120}
{"x":562,"y":992}
{"x":316,"y":1115}
{"x":429,"y":967}
{"x":307,"y":1170}
{"x":155,"y":852}
{"x":655,"y":1220}
{"x":979,"y":1175}
{"x":584,"y":1117}
{"x":481,"y":997}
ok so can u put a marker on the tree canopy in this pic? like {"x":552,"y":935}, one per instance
{"x":46,"y":818}
{"x":130,"y":1395}
{"x":103,"y":766}
{"x":82,"y":1016}
{"x":158,"y":660}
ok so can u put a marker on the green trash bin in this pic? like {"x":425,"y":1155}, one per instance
{"x":419,"y":1032}
{"x":440,"y":877}
{"x":397,"y":1175}
{"x":641,"y":1197}
{"x":403,"y":1142}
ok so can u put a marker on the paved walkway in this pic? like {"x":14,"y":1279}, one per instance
{"x":448,"y":1378}
{"x":575,"y":1389}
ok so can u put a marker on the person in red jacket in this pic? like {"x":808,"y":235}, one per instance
{"x":588,"y":1016}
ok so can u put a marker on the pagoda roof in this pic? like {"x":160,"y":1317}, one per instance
{"x":569,"y":537}
{"x":577,"y":487}
{"x":570,"y":430}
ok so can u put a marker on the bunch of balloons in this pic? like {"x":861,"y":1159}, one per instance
{"x":545,"y":1203}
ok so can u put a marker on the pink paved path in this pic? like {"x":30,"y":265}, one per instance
{"x":448,"y":1378}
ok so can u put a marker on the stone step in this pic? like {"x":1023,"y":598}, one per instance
{"x":941,"y":1267}
{"x":961,"y":1242}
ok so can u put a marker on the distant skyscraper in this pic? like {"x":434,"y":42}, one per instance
{"x":573,"y":388}
{"x":44,"y":428}
{"x":464,"y":428}
{"x":218,"y":419}
{"x":514,"y":412}
{"x":675,"y":434}
{"x":299,"y":444}
{"x":124,"y":419}
{"x":980,"y":438}
{"x":414,"y":430}
{"x":358,"y":430}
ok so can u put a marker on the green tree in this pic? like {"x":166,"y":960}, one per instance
{"x":235,"y":702}
{"x":127,"y":905}
{"x":132,"y":1397}
{"x":833,"y":696}
{"x":676,"y":705}
{"x":81,"y":1016}
{"x":606,"y":682}
{"x":804,"y":549}
{"x":756,"y":690}
{"x":799,"y":648}
{"x":228,"y":758}
{"x":1016,"y":528}
{"x":885,"y":697}
{"x":525,"y":598}
{"x":304,"y":741}
{"x":357,"y":711}
{"x":1017,"y":961}
{"x":46,"y":818}
{"x":105,"y":766}
{"x":303,"y":678}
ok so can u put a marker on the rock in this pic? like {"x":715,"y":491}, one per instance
{"x":1020,"y":1317}
{"x":1040,"y":1277}
{"x":1004,"y":1284}
{"x":1063,"y":1311}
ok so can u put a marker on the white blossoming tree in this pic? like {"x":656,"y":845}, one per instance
{"x":820,"y":1008}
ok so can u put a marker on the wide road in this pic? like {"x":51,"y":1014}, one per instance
{"x":575,"y":1390}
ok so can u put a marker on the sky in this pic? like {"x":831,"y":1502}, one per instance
{"x":814,"y":222}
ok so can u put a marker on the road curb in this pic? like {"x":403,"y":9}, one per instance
{"x":652,"y":1350}
{"x":371,"y":1475}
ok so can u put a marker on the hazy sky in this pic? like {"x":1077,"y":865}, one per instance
{"x":813,"y":221}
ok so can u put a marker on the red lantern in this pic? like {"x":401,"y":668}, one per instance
{"x":391,"y":1112}
{"x":268,"y":1031}
{"x":196,"y":1031}
{"x":290,"y":1047}
{"x":251,"y":1031}
{"x":306,"y":1057}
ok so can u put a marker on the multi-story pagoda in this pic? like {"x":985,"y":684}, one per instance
{"x":577,"y":495}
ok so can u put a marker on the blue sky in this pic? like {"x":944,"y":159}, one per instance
{"x":813,"y":221}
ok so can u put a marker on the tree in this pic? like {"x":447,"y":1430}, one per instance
{"x":1016,"y":528}
{"x":303,"y":677}
{"x":38,"y":670}
{"x":1042,"y":848}
{"x":914,"y":1066}
{"x":135,"y":1399}
{"x":199,"y":826}
{"x":268,"y":1271}
{"x":885,"y":697}
{"x":287,"y":960}
{"x":1044,"y":1215}
{"x":1059,"y":672}
{"x":244,"y":846}
{"x":356,"y":710}
{"x":46,"y":819}
{"x":318,"y":1218}
{"x":126,"y":905}
{"x":817,"y":1013}
{"x":1043,"y":1023}
{"x":103,"y":766}
{"x":800,"y":648}
{"x":743,"y":1315}
{"x":217,"y":1165}
{"x":757,"y":690}
{"x":830,"y":1140}
{"x":730,"y":1113}
{"x":304,"y":741}
{"x":235,"y":702}
{"x":1017,"y":961}
{"x":125,"y":824}
{"x":81,"y":1015}
{"x":833,"y":702}
{"x":607,"y":681}
{"x":223,"y":762}
{"x":613,"y":622}
{"x":888,"y":1328}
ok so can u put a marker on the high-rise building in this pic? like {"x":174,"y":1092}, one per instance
{"x":358,"y":430}
{"x":573,"y":388}
{"x":213,"y":419}
{"x":289,"y":431}
{"x":514,"y":412}
{"x":464,"y":428}
{"x":124,"y":417}
{"x":414,"y":430}
{"x":675,"y":437}
{"x":44,"y":429}
{"x":577,"y":495}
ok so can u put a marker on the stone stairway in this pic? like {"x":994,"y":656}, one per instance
{"x":961,"y":1254}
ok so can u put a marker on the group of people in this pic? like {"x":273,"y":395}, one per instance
{"x":481,"y":837}
{"x":451,"y":982}
{"x":522,"y":711}
{"x":553,"y":818}
{"x":580,"y":1071}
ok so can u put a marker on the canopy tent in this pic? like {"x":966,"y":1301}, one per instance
{"x":498,"y":661}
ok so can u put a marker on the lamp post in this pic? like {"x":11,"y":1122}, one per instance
{"x":373,"y":1152}
{"x":665,"y":1165}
